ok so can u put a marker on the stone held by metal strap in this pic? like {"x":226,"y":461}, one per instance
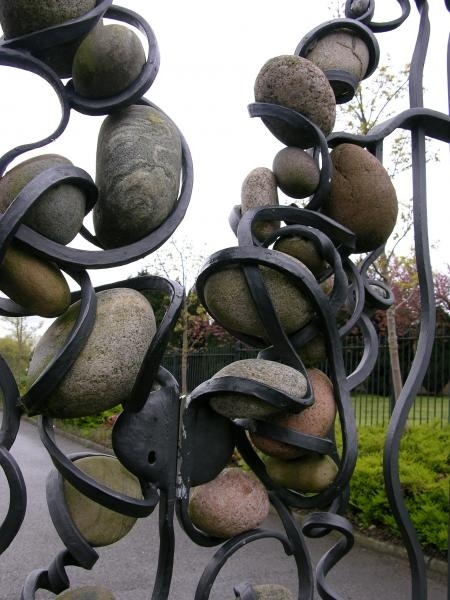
{"x":345,"y":50}
{"x":296,"y":83}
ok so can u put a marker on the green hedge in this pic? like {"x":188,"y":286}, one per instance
{"x":424,"y":475}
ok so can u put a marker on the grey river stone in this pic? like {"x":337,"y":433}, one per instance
{"x":237,"y":405}
{"x":105,"y":370}
{"x":59,"y":212}
{"x":107,"y":61}
{"x":138,"y":174}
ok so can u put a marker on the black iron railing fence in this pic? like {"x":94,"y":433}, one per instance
{"x":373,"y":399}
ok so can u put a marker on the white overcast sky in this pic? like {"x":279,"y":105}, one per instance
{"x":210,"y":56}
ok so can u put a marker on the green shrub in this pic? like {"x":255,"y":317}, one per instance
{"x":424,"y":475}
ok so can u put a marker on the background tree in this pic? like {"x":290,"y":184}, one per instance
{"x":180,"y":260}
{"x":16,"y":347}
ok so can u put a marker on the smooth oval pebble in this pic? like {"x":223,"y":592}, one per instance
{"x":138,"y":174}
{"x":312,"y":473}
{"x":296,"y":172}
{"x":228,"y":300}
{"x":315,"y":420}
{"x":59,"y":212}
{"x":102,"y":526}
{"x":88,"y":592}
{"x":106,"y":368}
{"x":296,"y":83}
{"x":303,"y":250}
{"x":107,"y":61}
{"x":35,"y":284}
{"x":362,"y":197}
{"x":237,"y":405}
{"x":260,"y":189}
{"x":232,"y":503}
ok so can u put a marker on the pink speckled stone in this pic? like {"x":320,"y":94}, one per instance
{"x":232,"y":503}
{"x":316,"y":420}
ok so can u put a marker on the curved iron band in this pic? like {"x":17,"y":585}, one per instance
{"x":318,"y":522}
{"x":287,"y":436}
{"x":370,"y":354}
{"x":17,"y":499}
{"x":244,"y":256}
{"x":301,"y":125}
{"x":150,"y":364}
{"x":20,"y":60}
{"x":427,"y":328}
{"x":59,"y":34}
{"x":419,"y":56}
{"x":10,"y":220}
{"x":374,"y":298}
{"x":380,"y":27}
{"x":86,"y":485}
{"x":96,"y":259}
{"x":34,"y":399}
{"x":227,"y":550}
{"x":326,"y":250}
{"x":53,"y":579}
{"x":202,"y":393}
{"x":433,"y":123}
{"x":102,"y":106}
{"x":11,"y":412}
{"x":355,"y":26}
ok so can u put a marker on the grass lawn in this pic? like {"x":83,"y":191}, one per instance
{"x":375,"y":410}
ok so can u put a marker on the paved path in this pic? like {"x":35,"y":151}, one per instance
{"x":128,"y":567}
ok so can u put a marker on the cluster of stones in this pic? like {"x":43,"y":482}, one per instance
{"x":138,"y":177}
{"x":361,"y":198}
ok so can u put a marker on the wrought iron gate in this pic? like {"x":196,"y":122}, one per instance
{"x":168,"y":445}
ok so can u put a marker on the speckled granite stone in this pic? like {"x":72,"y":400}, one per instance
{"x":277,"y":375}
{"x":260,"y":189}
{"x":232,"y":503}
{"x":107,"y":61}
{"x":296,"y":83}
{"x":138,"y":174}
{"x":19,"y":17}
{"x":105,"y":370}
{"x":341,"y":50}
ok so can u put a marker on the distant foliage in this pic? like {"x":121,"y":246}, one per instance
{"x":425,"y":478}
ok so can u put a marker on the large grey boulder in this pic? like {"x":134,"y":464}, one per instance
{"x":138,"y":174}
{"x":105,"y":370}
